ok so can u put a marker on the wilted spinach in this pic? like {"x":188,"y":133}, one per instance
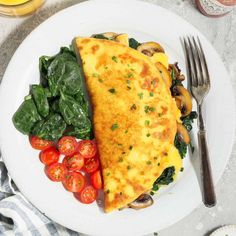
{"x":100,"y":36}
{"x":56,"y":70}
{"x":72,"y":111}
{"x":187,"y":121}
{"x":40,"y":99}
{"x":26,"y":116}
{"x":133,"y":43}
{"x":51,"y":128}
{"x":165,"y":178}
{"x":58,"y":105}
{"x":80,"y":133}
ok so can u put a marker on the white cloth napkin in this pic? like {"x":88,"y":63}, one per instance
{"x":19,"y":217}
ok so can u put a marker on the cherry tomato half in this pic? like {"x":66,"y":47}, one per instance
{"x":74,"y":182}
{"x":91,"y":164}
{"x":87,"y":148}
{"x":67,"y":145}
{"x":74,"y":162}
{"x":49,"y":156}
{"x":96,"y":179}
{"x":40,"y":144}
{"x":56,"y":172}
{"x":87,"y":195}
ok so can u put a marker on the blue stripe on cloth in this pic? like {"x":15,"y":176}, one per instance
{"x":22,"y":214}
{"x":3,"y":173}
{"x":4,"y":228}
{"x":50,"y":226}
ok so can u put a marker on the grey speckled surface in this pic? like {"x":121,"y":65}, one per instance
{"x":221,"y":32}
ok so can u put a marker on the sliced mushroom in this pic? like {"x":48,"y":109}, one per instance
{"x":143,"y":201}
{"x":183,"y":99}
{"x":177,"y":72}
{"x":109,"y":35}
{"x":150,"y":48}
{"x":183,"y":133}
{"x":123,"y":39}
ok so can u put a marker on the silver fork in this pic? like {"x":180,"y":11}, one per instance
{"x":200,"y":85}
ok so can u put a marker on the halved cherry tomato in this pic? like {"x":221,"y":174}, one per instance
{"x":40,"y":144}
{"x":91,"y":164}
{"x":74,"y":182}
{"x":49,"y":156}
{"x":74,"y":162}
{"x":87,"y":148}
{"x":56,"y":172}
{"x":96,"y":179}
{"x":67,"y":145}
{"x":87,"y":195}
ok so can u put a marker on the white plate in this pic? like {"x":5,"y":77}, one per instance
{"x":144,"y":22}
{"x":227,"y":230}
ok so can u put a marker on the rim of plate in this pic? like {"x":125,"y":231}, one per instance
{"x":16,"y":56}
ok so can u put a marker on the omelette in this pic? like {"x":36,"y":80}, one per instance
{"x":134,"y":118}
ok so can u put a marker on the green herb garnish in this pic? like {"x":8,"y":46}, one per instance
{"x":114,"y":58}
{"x":114,"y":127}
{"x":140,"y":95}
{"x":112,"y":90}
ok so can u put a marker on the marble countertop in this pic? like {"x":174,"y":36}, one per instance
{"x":221,"y":32}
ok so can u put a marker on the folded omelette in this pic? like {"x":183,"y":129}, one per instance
{"x":134,"y":118}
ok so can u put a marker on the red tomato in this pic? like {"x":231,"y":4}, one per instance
{"x":74,"y":182}
{"x":87,"y":195}
{"x":49,"y":156}
{"x":40,"y":144}
{"x":67,"y":145}
{"x":91,"y":164}
{"x":87,"y":148}
{"x":56,"y":172}
{"x":74,"y":162}
{"x":96,"y":179}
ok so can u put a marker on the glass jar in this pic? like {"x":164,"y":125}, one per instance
{"x":215,"y":8}
{"x":19,"y":7}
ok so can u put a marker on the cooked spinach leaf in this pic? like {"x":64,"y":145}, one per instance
{"x":54,"y":106}
{"x":79,"y":132}
{"x":133,"y":43}
{"x":100,"y":36}
{"x":181,"y":146}
{"x":51,"y":128}
{"x":72,"y":112}
{"x":71,"y":80}
{"x":26,"y":116}
{"x":165,"y":178}
{"x":57,"y":69}
{"x":187,"y":121}
{"x":40,"y":99}
{"x":79,"y":97}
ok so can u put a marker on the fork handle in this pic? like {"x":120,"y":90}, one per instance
{"x":209,"y":197}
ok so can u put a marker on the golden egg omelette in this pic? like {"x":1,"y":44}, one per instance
{"x":134,"y":118}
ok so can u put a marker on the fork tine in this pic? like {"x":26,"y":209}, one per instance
{"x":195,"y":63}
{"x":190,"y":55}
{"x":200,"y":74}
{"x":206,"y":77}
{"x":188,"y":61}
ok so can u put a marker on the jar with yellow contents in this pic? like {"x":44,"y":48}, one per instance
{"x":19,"y":7}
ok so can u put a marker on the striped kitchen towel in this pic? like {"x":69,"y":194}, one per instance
{"x":19,"y":217}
